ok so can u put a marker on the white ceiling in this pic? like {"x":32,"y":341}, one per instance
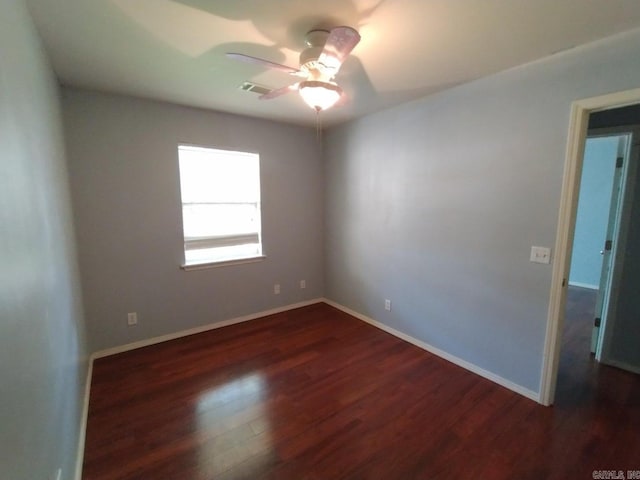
{"x":173,"y":50}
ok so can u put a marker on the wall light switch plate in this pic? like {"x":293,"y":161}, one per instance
{"x":540,"y":255}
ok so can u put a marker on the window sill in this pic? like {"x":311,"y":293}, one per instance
{"x":222,"y":263}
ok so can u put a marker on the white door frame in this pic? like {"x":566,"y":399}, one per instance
{"x":578,"y":125}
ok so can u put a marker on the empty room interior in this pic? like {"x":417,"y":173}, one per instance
{"x":355,"y":239}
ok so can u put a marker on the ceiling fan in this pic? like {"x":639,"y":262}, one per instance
{"x":319,"y":63}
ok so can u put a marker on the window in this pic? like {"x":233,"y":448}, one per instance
{"x":220,"y":192}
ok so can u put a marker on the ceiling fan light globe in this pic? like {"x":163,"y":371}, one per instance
{"x":319,"y":95}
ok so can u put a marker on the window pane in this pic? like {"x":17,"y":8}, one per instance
{"x":219,"y":219}
{"x":208,"y":175}
{"x":220,"y":204}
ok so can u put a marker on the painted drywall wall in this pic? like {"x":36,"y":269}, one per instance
{"x":592,"y":218}
{"x":435,"y":205}
{"x":42,"y":348}
{"x":125,"y":189}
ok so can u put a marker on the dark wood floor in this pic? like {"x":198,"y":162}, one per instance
{"x":316,"y":394}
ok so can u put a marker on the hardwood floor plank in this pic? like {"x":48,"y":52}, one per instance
{"x":316,"y":394}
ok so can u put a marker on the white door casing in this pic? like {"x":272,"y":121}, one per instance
{"x":578,"y":124}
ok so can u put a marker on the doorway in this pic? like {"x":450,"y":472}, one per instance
{"x":604,"y":170}
{"x":580,"y":113}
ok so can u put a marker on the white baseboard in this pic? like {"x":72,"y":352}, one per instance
{"x":204,"y":328}
{"x":530,"y":394}
{"x":83,"y":421}
{"x":584,"y":285}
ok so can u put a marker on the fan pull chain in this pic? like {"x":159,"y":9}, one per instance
{"x":318,"y":125}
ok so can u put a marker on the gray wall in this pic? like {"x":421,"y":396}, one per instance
{"x":42,"y":349}
{"x":125,"y":188}
{"x":592,"y":219}
{"x":435,"y":205}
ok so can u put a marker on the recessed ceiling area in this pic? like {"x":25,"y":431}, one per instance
{"x":174,"y":50}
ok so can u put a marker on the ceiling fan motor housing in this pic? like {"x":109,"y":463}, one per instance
{"x":309,"y":58}
{"x":315,"y":41}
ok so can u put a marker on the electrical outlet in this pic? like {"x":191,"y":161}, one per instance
{"x":387,"y":305}
{"x":303,"y":284}
{"x":276,"y":289}
{"x":132,"y":318}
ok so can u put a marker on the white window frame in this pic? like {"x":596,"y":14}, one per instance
{"x":225,"y":240}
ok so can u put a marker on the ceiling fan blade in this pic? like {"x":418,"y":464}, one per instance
{"x":339,"y":44}
{"x":265,"y":63}
{"x":279,"y":91}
